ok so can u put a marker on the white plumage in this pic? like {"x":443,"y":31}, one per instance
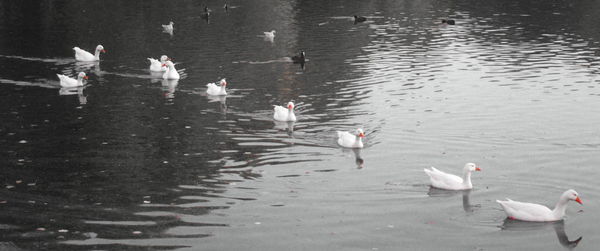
{"x":284,"y":114}
{"x":351,"y":140}
{"x":217,"y":90}
{"x":67,"y":82}
{"x":171,"y":72}
{"x":156,"y":65}
{"x":82,"y":55}
{"x":448,"y":181}
{"x":535,"y":212}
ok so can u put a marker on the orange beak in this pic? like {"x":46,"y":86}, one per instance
{"x":477,"y":169}
{"x":85,"y":77}
{"x":362,"y":135}
{"x":578,"y":200}
{"x":103,"y":51}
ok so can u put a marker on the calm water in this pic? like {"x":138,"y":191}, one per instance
{"x":134,"y":162}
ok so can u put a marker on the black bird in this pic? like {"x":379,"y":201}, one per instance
{"x":358,"y":19}
{"x":449,"y":21}
{"x":300,"y":59}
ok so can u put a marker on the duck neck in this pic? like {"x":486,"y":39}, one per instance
{"x":467,"y":179}
{"x":560,"y":208}
{"x":97,"y":55}
{"x":291,"y":115}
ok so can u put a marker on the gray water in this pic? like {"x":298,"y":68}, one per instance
{"x":134,"y":162}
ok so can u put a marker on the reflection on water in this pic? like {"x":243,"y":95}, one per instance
{"x":74,"y":91}
{"x":558,"y":226}
{"x":153,"y":164}
{"x":466,"y":202}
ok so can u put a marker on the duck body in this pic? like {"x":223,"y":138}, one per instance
{"x":449,"y":22}
{"x":284,"y":114}
{"x":269,"y":34}
{"x":156,"y":65}
{"x":82,"y":55}
{"x":168,"y":27}
{"x":358,"y":19}
{"x":351,"y":140}
{"x":525,"y":211}
{"x":448,"y":181}
{"x":300,"y":58}
{"x":171,"y":72}
{"x":217,"y":90}
{"x":67,"y":82}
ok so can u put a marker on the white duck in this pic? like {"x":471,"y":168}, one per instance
{"x":448,"y":181}
{"x":284,"y":114}
{"x":217,"y":90}
{"x":350,"y":140}
{"x":81,"y":55}
{"x":535,"y":212}
{"x":156,"y":65}
{"x":269,"y":34}
{"x":67,"y":82}
{"x":171,"y":72}
{"x":168,"y":27}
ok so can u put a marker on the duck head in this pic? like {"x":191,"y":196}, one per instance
{"x":82,"y":75}
{"x":223,"y":82}
{"x":100,"y":48}
{"x":164,"y":58}
{"x":360,"y":133}
{"x":290,"y":105}
{"x":471,"y":167}
{"x":572,"y":195}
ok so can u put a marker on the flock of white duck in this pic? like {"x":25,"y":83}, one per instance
{"x":514,"y":209}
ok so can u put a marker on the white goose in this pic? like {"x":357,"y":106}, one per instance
{"x":156,"y":65}
{"x":269,"y":34}
{"x":67,"y":82}
{"x":81,"y":55}
{"x":284,"y":114}
{"x":535,"y":212}
{"x":448,"y":181}
{"x":350,"y":140}
{"x":171,"y":72}
{"x":168,"y":27}
{"x":217,"y":90}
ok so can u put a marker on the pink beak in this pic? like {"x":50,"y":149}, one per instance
{"x":362,"y":135}
{"x":477,"y":169}
{"x":103,"y":51}
{"x":290,"y":107}
{"x":164,"y":65}
{"x":85,"y":77}
{"x":578,"y":200}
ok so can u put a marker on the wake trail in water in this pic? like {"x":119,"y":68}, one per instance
{"x":46,"y":84}
{"x":58,"y":61}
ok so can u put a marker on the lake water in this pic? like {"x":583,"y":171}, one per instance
{"x":135,"y":162}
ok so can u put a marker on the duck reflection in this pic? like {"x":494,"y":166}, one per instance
{"x":559,"y":228}
{"x":74,"y":91}
{"x":168,"y":87}
{"x":466,"y":201}
{"x":358,"y":160}
{"x":89,"y":67}
{"x":222,"y":99}
{"x":287,"y":126}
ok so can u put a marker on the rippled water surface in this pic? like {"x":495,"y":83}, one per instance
{"x":134,"y":162}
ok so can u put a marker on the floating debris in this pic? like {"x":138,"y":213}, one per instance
{"x":23,"y":142}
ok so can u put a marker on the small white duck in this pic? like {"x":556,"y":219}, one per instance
{"x":269,"y":34}
{"x":448,"y":181}
{"x":168,"y":27}
{"x":81,"y":55}
{"x":67,"y":82}
{"x":284,"y":114}
{"x":351,"y":140}
{"x":171,"y":72}
{"x":156,"y":65}
{"x":217,"y":90}
{"x":524,"y":211}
